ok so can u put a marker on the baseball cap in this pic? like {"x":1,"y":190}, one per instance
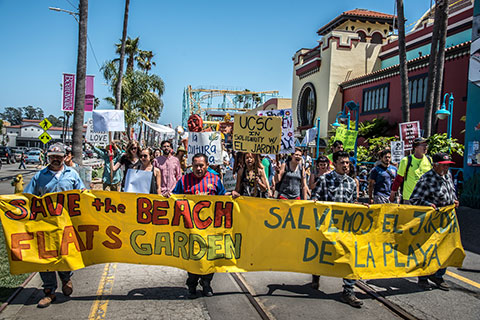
{"x":442,"y":158}
{"x":56,"y":149}
{"x":418,"y":141}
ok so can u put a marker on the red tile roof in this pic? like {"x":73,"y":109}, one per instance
{"x":368,"y":15}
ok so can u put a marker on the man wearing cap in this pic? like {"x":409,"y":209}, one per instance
{"x":410,"y":170}
{"x":436,"y":189}
{"x":56,"y":177}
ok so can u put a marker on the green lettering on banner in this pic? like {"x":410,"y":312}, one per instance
{"x":143,"y":249}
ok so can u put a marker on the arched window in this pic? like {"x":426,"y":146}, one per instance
{"x":362,"y":35}
{"x":376,"y":38}
{"x":306,"y":105}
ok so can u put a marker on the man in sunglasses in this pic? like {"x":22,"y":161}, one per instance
{"x":56,"y":177}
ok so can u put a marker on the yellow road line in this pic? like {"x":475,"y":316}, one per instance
{"x":459,"y":277}
{"x":105,"y":287}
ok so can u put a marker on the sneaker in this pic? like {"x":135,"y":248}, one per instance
{"x":424,"y":284}
{"x":351,"y":299}
{"x":440,"y":283}
{"x":47,"y":300}
{"x":192,"y":292}
{"x":315,"y":282}
{"x":207,"y":291}
{"x":67,"y":287}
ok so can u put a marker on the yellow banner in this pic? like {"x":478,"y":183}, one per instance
{"x":257,"y":134}
{"x":204,"y":234}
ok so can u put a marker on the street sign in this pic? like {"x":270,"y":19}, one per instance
{"x":45,"y":137}
{"x":45,"y":124}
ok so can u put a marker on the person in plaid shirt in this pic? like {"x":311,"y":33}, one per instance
{"x":337,"y":186}
{"x":436,"y":189}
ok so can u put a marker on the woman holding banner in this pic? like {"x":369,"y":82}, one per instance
{"x":251,"y":178}
{"x":291,"y":179}
{"x":129,"y":160}
{"x":146,"y":159}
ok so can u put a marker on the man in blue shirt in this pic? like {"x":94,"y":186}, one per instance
{"x":381,"y":179}
{"x":56,"y":177}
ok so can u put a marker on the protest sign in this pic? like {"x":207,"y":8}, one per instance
{"x":138,"y":181}
{"x":108,"y":120}
{"x":95,"y":138}
{"x":205,"y":234}
{"x":348,"y":137}
{"x":409,"y":131}
{"x":208,"y":143}
{"x":255,"y":134}
{"x":229,"y":181}
{"x":287,"y":143}
{"x":397,"y":151}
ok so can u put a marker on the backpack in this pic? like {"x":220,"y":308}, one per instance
{"x":409,"y":164}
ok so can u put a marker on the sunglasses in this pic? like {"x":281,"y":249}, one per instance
{"x":144,"y":156}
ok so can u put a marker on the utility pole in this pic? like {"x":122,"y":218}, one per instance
{"x":78,"y":113}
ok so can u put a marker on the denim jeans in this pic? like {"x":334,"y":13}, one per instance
{"x":348,"y":285}
{"x":50,"y":278}
{"x":439,"y":274}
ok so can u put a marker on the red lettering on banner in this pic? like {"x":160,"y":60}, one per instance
{"x":182,"y":209}
{"x":158,"y":212}
{"x":117,"y":243}
{"x":144,"y":207}
{"x":43,"y":253}
{"x":89,"y":230}
{"x":19,"y":204}
{"x":70,"y":235}
{"x":57,"y":210}
{"x":36,"y":207}
{"x":223,"y":211}
{"x":199,"y":223}
{"x":73,"y":204}
{"x":17,"y":247}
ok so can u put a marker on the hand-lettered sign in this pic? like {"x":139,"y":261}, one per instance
{"x":257,"y":134}
{"x":208,"y":143}
{"x":288,"y":142}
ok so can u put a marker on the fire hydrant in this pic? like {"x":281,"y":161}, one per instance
{"x":18,"y":183}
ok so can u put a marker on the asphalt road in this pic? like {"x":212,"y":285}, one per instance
{"x":124,"y":291}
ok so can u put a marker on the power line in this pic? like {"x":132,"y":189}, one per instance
{"x":76,"y":8}
{"x":93,"y":51}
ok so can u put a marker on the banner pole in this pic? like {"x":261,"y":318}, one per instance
{"x":111,"y":158}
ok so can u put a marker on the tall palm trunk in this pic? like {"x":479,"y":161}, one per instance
{"x":78,"y":113}
{"x":402,"y":53}
{"x":118,"y":87}
{"x":435,"y":61}
{"x":442,"y":38}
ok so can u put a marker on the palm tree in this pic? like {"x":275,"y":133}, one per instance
{"x":144,"y":60}
{"x":118,"y":84}
{"x":436,"y":64}
{"x":402,"y":53}
{"x":78,"y":113}
{"x":131,"y":50}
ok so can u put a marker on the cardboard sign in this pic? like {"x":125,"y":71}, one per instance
{"x":288,"y":142}
{"x":95,"y":138}
{"x":348,"y":137}
{"x":255,"y":134}
{"x":409,"y":131}
{"x":208,"y":143}
{"x":229,"y":181}
{"x":397,"y":148}
{"x":108,"y":120}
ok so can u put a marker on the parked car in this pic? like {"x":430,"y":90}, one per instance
{"x":17,"y":152}
{"x":33,"y":156}
{"x":7,"y":154}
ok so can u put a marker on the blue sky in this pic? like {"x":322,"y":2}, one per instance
{"x":241,"y":44}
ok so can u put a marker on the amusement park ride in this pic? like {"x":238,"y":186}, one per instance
{"x":212,"y":104}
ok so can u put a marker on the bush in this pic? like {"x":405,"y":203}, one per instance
{"x":439,"y":143}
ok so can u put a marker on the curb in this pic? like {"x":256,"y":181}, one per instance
{"x":14,"y":294}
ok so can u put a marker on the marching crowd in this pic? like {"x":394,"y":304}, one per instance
{"x":420,"y":179}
